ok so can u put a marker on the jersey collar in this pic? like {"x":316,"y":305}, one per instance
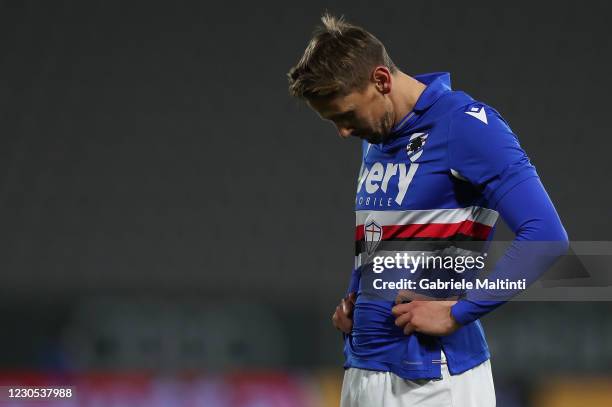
{"x":437,"y":84}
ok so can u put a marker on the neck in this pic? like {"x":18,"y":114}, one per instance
{"x":406,"y":91}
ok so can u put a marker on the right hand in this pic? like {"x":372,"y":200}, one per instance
{"x":343,"y":316}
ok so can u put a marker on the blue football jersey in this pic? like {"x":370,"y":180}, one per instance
{"x":436,"y":179}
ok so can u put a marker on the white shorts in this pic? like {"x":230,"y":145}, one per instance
{"x":367,"y":388}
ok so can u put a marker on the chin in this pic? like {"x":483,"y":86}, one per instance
{"x":374,"y":138}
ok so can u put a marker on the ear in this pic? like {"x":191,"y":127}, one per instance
{"x":382,"y":78}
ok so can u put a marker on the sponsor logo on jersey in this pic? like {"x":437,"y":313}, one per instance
{"x":378,"y":177}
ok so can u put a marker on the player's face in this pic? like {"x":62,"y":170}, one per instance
{"x":365,"y":114}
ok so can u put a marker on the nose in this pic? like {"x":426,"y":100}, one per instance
{"x":344,"y":132}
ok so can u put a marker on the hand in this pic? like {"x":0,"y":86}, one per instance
{"x":428,"y":317}
{"x":343,"y":316}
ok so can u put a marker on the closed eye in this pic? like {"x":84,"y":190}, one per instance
{"x":342,"y":116}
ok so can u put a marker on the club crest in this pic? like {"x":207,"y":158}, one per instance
{"x":414,"y":149}
{"x":373,"y":235}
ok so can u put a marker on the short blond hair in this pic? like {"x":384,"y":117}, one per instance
{"x":338,"y":60}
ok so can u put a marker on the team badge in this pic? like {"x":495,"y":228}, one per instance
{"x":373,"y":235}
{"x":414,"y":149}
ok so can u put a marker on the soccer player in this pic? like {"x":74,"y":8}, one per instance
{"x":437,"y":165}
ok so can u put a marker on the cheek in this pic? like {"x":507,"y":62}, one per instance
{"x":374,"y":110}
{"x":380,"y":110}
{"x":365,"y":121}
{"x":373,"y":114}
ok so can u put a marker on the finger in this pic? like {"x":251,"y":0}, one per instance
{"x":403,"y":319}
{"x":335,"y":318}
{"x":342,"y":323}
{"x":404,"y":296}
{"x":402,"y":308}
{"x":342,"y":318}
{"x":347,"y":327}
{"x":346,"y":307}
{"x":342,"y":311}
{"x":409,"y":329}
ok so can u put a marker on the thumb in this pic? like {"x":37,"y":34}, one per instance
{"x":345,"y":306}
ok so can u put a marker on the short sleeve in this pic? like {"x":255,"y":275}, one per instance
{"x":483,"y":150}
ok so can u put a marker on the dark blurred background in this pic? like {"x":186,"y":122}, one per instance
{"x":166,"y":207}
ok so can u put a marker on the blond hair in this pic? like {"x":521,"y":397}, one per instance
{"x":338,"y":60}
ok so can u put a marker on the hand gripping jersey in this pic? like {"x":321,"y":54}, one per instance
{"x":439,"y":177}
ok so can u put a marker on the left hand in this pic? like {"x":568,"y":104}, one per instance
{"x":427,"y":317}
{"x":343,"y":315}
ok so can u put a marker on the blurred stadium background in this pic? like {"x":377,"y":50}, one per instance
{"x":176,"y":231}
